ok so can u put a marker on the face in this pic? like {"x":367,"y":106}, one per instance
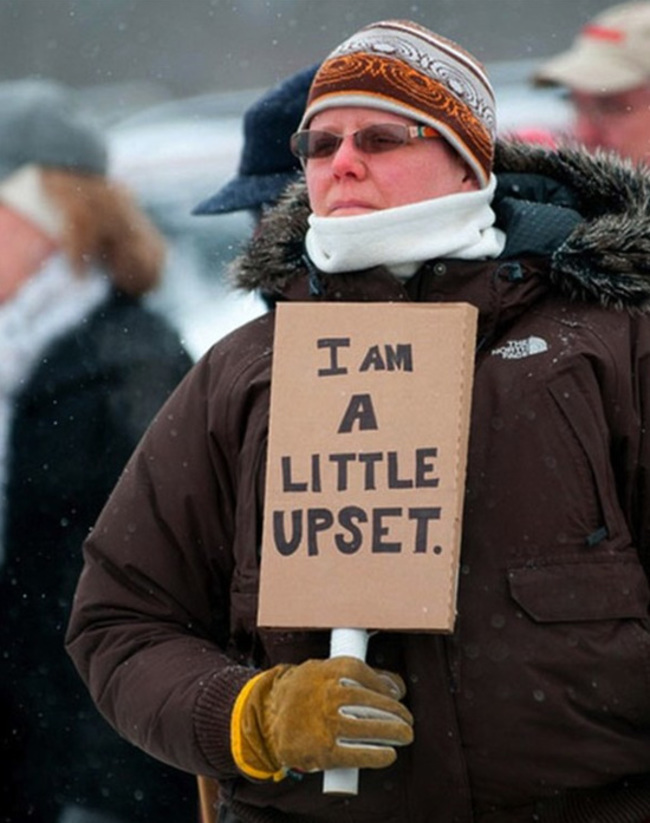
{"x":616,"y":122}
{"x":24,"y":249}
{"x":351,"y":182}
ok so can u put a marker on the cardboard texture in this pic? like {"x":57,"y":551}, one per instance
{"x":370,"y":406}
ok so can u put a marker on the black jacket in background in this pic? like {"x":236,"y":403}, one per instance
{"x":79,"y":415}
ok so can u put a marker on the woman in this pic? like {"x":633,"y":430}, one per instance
{"x":84,"y":368}
{"x":536,"y":708}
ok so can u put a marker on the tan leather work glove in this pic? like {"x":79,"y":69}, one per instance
{"x":321,"y":714}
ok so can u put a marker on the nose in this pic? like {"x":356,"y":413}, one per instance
{"x":348,"y":160}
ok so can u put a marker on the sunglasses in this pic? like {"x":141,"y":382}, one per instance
{"x":312,"y":144}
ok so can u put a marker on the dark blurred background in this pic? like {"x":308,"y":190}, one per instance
{"x":185,"y":47}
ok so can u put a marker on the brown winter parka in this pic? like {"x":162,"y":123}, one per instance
{"x":537,"y":707}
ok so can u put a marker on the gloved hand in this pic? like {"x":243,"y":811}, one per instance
{"x":321,"y":714}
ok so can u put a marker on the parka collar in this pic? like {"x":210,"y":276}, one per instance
{"x":589,"y":212}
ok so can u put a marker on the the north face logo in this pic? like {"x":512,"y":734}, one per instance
{"x":518,"y":349}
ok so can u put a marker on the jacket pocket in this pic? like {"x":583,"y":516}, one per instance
{"x":589,"y":642}
{"x":581,"y":592}
{"x":576,"y":399}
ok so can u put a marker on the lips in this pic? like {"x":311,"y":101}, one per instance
{"x":342,"y":207}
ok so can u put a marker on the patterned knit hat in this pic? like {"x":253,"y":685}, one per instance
{"x":402,"y":67}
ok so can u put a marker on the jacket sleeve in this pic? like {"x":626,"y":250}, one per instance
{"x":149,"y":627}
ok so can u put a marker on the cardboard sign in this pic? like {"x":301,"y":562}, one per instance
{"x":366,"y":465}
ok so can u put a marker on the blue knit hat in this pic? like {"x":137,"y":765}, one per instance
{"x":266,"y":164}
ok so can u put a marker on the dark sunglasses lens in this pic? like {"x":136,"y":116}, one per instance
{"x":313,"y":144}
{"x":380,"y":138}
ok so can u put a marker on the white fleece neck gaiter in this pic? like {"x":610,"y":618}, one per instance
{"x":402,"y":238}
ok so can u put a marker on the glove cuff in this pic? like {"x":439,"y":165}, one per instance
{"x":242,"y":726}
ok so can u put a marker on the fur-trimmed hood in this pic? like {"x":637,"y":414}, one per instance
{"x":589,"y":212}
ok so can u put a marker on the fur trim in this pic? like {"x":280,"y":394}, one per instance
{"x":605,"y":259}
{"x":607,"y":256}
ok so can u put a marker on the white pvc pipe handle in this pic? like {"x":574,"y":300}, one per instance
{"x":349,"y":643}
{"x":345,"y":643}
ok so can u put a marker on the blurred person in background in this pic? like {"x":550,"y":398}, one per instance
{"x":606,"y":72}
{"x":83,"y":369}
{"x":266,"y":164}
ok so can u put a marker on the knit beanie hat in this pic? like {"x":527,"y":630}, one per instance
{"x":404,"y":68}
